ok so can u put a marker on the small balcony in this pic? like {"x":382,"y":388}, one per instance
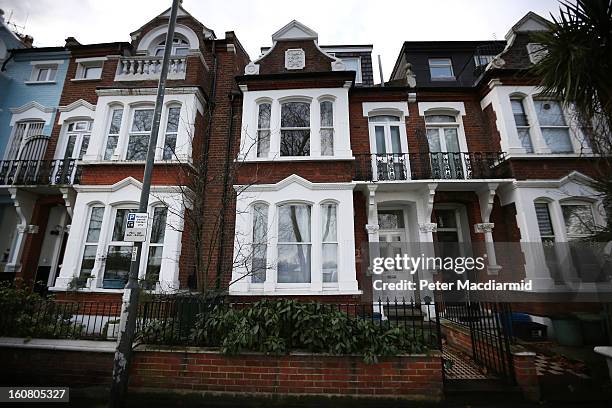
{"x":149,"y":68}
{"x":429,"y":166}
{"x":39,"y":172}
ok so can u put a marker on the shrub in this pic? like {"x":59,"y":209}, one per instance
{"x":277,"y":327}
{"x":27,"y":314}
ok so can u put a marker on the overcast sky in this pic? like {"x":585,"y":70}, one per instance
{"x":385,"y":24}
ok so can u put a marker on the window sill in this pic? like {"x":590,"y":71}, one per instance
{"x":539,"y":156}
{"x":128,"y":162}
{"x":296,"y":292}
{"x":295,"y":158}
{"x":443,"y":79}
{"x":39,"y":82}
{"x":85,"y":79}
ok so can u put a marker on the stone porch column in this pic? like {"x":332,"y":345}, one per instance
{"x":24,"y":206}
{"x":486,"y":199}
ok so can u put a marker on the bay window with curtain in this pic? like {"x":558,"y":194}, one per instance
{"x":329,"y":242}
{"x":294,"y":243}
{"x":118,"y":252}
{"x":90,"y":248}
{"x":259,"y":253}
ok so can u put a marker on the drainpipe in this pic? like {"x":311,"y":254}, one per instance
{"x":228,"y":154}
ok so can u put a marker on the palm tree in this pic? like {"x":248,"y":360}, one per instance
{"x":577,"y":70}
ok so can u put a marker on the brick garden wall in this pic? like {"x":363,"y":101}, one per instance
{"x":414,"y":377}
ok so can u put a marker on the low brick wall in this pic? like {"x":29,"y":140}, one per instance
{"x":412,"y":377}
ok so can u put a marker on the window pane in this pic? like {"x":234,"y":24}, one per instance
{"x":295,"y":143}
{"x":263,"y":119}
{"x":70,"y":146}
{"x":329,"y":220}
{"x":263,"y":143}
{"x":42,"y":74}
{"x":295,"y":114}
{"x":327,"y":142}
{"x":578,"y":219}
{"x":381,"y":145}
{"x":446,"y":218}
{"x":153,"y":265}
{"x":93,"y":72}
{"x":558,"y":140}
{"x":143,"y":119}
{"x":111,"y":145}
{"x":544,"y":221}
{"x":390,"y":219}
{"x":433,"y":139}
{"x":158,"y":229}
{"x":169,"y":146}
{"x":260,"y":247}
{"x":293,"y":263}
{"x":549,"y":113}
{"x":95,"y":224}
{"x":451,"y":139}
{"x":520,"y":118}
{"x":440,"y":119}
{"x":137,"y":147}
{"x":384,"y":118}
{"x":173,"y":120}
{"x":120,"y":222}
{"x":89,"y":260}
{"x":396,"y":144}
{"x":327,"y":114}
{"x":117,"y":265}
{"x":330,"y":262}
{"x":84,"y":146}
{"x":52,"y":72}
{"x":116,"y":122}
{"x":525,"y":139}
{"x":294,"y":223}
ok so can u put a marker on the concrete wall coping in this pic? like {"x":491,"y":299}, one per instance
{"x":59,"y":344}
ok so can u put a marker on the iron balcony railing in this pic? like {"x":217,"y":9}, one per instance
{"x":39,"y":172}
{"x":426,"y":166}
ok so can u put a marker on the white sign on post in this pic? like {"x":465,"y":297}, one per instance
{"x":136,"y":228}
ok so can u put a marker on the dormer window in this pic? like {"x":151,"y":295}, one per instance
{"x":441,"y":69}
{"x":353,"y":64}
{"x":180,"y":46}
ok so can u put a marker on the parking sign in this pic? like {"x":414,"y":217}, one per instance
{"x":136,"y":227}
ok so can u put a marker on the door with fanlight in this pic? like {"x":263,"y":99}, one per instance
{"x":390,"y":161}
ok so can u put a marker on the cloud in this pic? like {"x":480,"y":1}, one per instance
{"x":385,"y":24}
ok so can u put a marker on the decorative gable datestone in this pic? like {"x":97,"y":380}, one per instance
{"x":251,"y":69}
{"x":295,"y":58}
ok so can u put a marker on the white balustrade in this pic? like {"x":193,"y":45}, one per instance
{"x":147,"y":68}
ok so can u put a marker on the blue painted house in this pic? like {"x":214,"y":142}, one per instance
{"x":31,"y":83}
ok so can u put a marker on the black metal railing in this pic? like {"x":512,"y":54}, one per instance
{"x":39,"y":172}
{"x":51,"y":319}
{"x":425,"y":166}
{"x":170,"y":320}
{"x":490,"y":330}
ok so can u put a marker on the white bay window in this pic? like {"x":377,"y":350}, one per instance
{"x":300,"y":124}
{"x":300,"y":238}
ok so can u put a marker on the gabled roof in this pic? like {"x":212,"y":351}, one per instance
{"x":295,"y":31}
{"x":166,"y":15}
{"x":529,"y":23}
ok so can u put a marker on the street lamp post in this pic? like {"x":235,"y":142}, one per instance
{"x":129,"y":309}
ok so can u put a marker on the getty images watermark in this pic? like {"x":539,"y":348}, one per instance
{"x":406,"y":264}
